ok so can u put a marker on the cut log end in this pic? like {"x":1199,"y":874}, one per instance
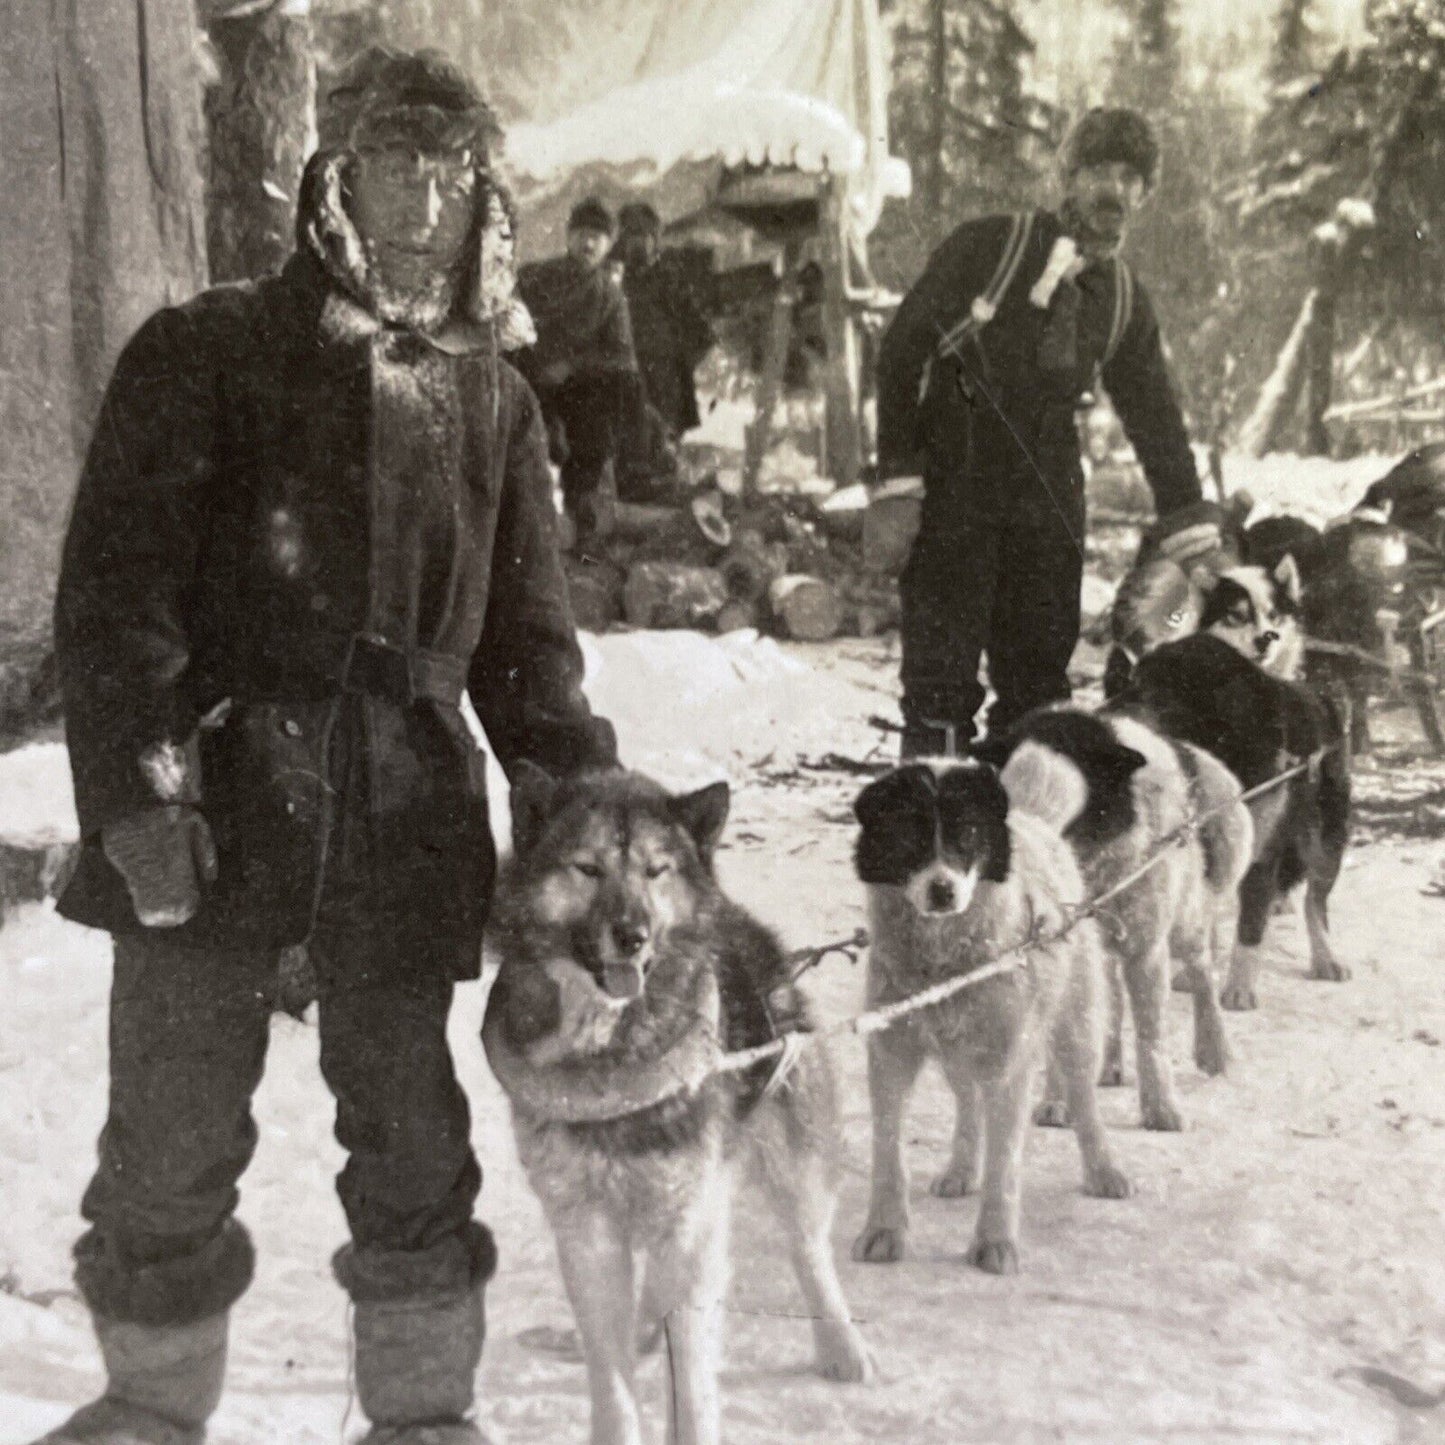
{"x":807,"y":609}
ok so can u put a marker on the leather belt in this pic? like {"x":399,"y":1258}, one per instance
{"x":401,"y":675}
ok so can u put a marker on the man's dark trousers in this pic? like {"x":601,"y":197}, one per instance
{"x":188,"y":1035}
{"x":590,"y":409}
{"x":995,"y":569}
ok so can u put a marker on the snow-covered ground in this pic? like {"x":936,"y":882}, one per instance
{"x":1279,"y":1275}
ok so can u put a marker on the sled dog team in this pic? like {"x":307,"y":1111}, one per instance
{"x":624,"y":974}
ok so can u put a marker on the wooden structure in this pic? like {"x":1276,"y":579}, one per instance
{"x":773,"y":111}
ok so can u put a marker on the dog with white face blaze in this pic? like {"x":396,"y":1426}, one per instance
{"x":955,"y":877}
{"x":1257,"y":612}
{"x":1120,"y":793}
{"x":624,"y":973}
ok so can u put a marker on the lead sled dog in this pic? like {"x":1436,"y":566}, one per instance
{"x":624,"y":971}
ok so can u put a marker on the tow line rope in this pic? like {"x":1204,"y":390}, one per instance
{"x":788,"y":1047}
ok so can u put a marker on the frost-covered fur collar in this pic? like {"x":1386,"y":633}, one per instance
{"x":486,"y":307}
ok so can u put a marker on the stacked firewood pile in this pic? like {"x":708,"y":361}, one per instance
{"x":787,"y":563}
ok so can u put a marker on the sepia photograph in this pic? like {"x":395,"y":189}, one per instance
{"x":722,"y":722}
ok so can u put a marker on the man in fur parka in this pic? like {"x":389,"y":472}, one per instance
{"x":979,"y":376}
{"x":316,"y":511}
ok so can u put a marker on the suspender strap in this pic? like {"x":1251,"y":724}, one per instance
{"x":988,"y":302}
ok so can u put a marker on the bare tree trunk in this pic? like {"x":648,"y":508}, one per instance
{"x":937,"y":183}
{"x":262,"y":121}
{"x":1261,"y":432}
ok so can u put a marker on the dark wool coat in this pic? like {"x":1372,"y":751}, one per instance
{"x":671,"y":335}
{"x":948,"y":431}
{"x":297,"y":537}
{"x":581,"y":318}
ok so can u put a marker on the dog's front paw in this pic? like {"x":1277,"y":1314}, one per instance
{"x":1107,"y":1181}
{"x":995,"y":1256}
{"x":1162,"y":1117}
{"x":1329,"y":971}
{"x":842,"y":1354}
{"x":954,"y":1183}
{"x":1111,"y":1075}
{"x":1239,"y":998}
{"x":877,"y":1245}
{"x":1052,"y":1114}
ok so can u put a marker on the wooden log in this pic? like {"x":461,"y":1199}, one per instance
{"x":596,"y":599}
{"x":673,"y":594}
{"x":752,"y":565}
{"x":737,"y":615}
{"x":34,"y":869}
{"x":890,"y":525}
{"x":645,"y":519}
{"x":805,"y":608}
{"x":841,"y":515}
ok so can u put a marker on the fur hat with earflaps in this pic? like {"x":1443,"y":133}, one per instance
{"x":385,"y":97}
{"x":1106,"y":134}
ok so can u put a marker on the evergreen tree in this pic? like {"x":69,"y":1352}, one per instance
{"x":1362,"y":136}
{"x":961,"y":113}
{"x":1183,"y":242}
{"x":1293,"y":42}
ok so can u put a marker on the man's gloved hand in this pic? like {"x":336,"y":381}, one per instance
{"x":1189,"y":535}
{"x":163,"y":854}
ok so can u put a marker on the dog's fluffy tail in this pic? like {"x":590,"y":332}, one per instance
{"x":1045,"y":785}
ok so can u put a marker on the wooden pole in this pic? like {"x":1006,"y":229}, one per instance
{"x":842,"y":456}
{"x":775,"y":360}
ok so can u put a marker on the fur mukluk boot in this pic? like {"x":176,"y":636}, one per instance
{"x":162,"y":1329}
{"x":419,"y":1327}
{"x":162,"y":1384}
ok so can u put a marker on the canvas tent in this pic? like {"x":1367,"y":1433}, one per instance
{"x":774,"y":109}
{"x":799,"y":83}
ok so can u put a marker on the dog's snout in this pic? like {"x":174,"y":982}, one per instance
{"x":1265,"y":641}
{"x":941,"y":895}
{"x":629,"y":936}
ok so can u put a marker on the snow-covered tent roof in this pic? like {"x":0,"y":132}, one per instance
{"x":799,"y":83}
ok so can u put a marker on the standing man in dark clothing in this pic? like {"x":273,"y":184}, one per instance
{"x":316,"y":511}
{"x":979,"y":376}
{"x":582,"y":366}
{"x":669,"y":331}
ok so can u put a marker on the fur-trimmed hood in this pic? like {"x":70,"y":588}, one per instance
{"x":487,"y":298}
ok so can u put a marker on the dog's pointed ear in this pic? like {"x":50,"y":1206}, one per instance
{"x":884,"y":795}
{"x":702,"y":815}
{"x":1286,"y":573}
{"x":533,"y":791}
{"x":995,"y":750}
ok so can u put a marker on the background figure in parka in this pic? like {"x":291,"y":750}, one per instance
{"x":582,"y":366}
{"x":671,"y":335}
{"x":316,"y":510}
{"x":979,"y":376}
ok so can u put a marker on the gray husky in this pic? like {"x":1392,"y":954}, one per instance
{"x":623,"y":973}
